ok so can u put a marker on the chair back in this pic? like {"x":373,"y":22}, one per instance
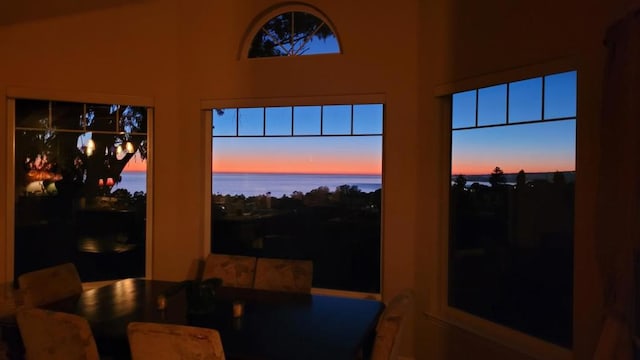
{"x":154,"y":341}
{"x":234,"y":270}
{"x":284,"y":275}
{"x":50,"y":335}
{"x":50,"y":284}
{"x":391,"y":326}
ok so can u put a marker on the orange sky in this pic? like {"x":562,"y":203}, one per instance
{"x":301,"y":164}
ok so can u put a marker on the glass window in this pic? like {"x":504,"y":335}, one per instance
{"x":80,"y":188}
{"x":308,"y":195}
{"x":293,"y":34}
{"x":278,"y":120}
{"x":512,"y":206}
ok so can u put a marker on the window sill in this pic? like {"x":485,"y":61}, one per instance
{"x":500,"y":335}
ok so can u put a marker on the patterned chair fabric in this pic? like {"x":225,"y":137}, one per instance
{"x":54,"y":335}
{"x":234,"y":270}
{"x":391,"y":326}
{"x":284,"y":275}
{"x":153,"y":341}
{"x":50,"y":284}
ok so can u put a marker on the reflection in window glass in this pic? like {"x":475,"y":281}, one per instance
{"x":492,"y":105}
{"x":68,"y":115}
{"x":32,"y":113}
{"x":464,"y":109}
{"x":250,"y":121}
{"x":81,"y":190}
{"x":525,"y":100}
{"x":278,"y":120}
{"x":560,"y":95}
{"x":306,"y":120}
{"x":367,"y":119}
{"x":101,"y":117}
{"x":224,"y":122}
{"x":336,"y":119}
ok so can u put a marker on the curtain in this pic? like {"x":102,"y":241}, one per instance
{"x":618,"y":236}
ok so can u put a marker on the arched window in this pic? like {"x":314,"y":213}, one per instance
{"x":293,"y":32}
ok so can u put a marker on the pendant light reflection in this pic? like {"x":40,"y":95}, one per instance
{"x":91,"y":147}
{"x":129,"y":147}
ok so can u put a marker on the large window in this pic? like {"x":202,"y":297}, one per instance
{"x":301,"y":182}
{"x":80,"y":187}
{"x":512,"y":205}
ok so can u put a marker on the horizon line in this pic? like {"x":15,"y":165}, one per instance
{"x":276,"y":173}
{"x":516,"y":173}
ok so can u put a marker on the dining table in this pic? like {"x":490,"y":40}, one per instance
{"x":272,"y":324}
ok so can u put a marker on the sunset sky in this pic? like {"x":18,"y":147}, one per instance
{"x":537,"y":147}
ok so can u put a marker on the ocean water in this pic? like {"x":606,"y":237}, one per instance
{"x":259,"y":184}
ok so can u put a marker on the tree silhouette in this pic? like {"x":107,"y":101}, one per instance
{"x":521,"y":179}
{"x":497,"y":177}
{"x":87,"y":150}
{"x":288,"y":34}
{"x":460,"y":181}
{"x":558,"y":178}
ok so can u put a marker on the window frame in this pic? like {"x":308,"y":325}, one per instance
{"x":206,"y":107}
{"x":438,"y":306}
{"x":78,"y":97}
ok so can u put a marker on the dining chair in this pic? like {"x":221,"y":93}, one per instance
{"x":284,"y":275}
{"x":234,"y":270}
{"x":390,"y":327}
{"x":47,"y":285}
{"x":10,"y":300}
{"x":51,"y":335}
{"x":155,"y":341}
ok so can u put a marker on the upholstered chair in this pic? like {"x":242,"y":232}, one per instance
{"x":154,"y":341}
{"x":391,"y":326}
{"x":234,"y":270}
{"x":10,"y":299}
{"x":50,"y":284}
{"x":284,"y":275}
{"x":50,"y":335}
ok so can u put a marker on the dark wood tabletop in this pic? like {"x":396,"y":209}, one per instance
{"x":274,"y":325}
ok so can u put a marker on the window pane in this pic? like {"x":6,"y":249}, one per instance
{"x":293,"y":34}
{"x":511,"y":214}
{"x":560,"y":95}
{"x":525,"y":100}
{"x":306,"y":120}
{"x":32,"y":114}
{"x":328,"y":45}
{"x":464,"y":109}
{"x":336,"y":119}
{"x":85,"y":192}
{"x":224,"y":122}
{"x":133,"y":119}
{"x":102,"y":117}
{"x":492,"y":105}
{"x":67,"y":115}
{"x":250,"y":121}
{"x":278,"y":120}
{"x":304,"y":196}
{"x":367,"y":119}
